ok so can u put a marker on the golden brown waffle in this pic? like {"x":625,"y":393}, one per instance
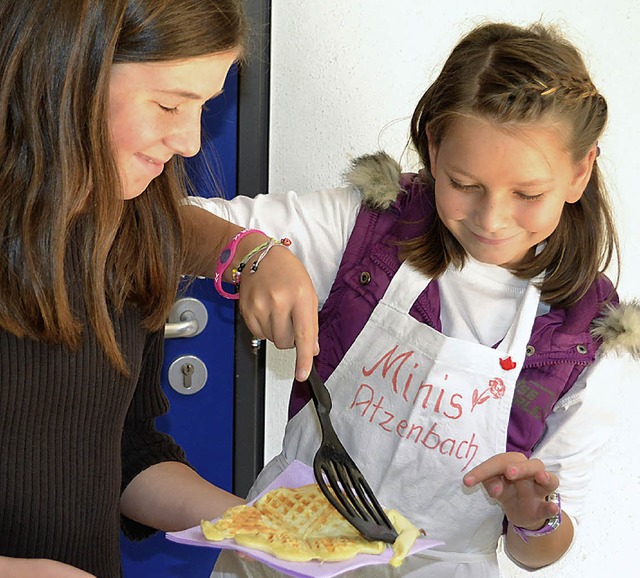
{"x":299,"y":524}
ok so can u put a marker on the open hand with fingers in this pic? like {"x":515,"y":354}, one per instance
{"x":528,"y":495}
{"x":520,"y":485}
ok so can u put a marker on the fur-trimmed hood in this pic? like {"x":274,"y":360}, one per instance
{"x":377,"y":176}
{"x":619,"y":328}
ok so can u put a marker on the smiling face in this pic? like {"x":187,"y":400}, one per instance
{"x":501,"y":193}
{"x":155,"y":110}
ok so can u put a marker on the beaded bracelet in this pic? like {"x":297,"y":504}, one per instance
{"x":245,"y":260}
{"x":224,"y":260}
{"x":263,"y":250}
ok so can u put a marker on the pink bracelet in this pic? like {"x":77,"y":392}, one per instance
{"x":224,"y":260}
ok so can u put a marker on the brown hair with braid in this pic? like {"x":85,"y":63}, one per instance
{"x":58,"y":173}
{"x":518,"y":76}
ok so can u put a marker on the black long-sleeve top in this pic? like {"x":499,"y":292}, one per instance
{"x":73,"y":433}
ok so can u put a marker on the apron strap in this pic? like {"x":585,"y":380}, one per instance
{"x":405,"y":288}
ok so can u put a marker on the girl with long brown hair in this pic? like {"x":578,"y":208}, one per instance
{"x":99,"y":100}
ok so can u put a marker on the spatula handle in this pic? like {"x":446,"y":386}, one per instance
{"x":320,"y":391}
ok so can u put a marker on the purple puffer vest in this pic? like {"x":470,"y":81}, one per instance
{"x":560,"y":348}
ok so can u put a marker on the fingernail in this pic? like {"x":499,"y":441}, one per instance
{"x":468,"y":481}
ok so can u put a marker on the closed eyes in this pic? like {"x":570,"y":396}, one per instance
{"x":469,"y":188}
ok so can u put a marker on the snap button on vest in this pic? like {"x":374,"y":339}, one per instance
{"x":530,"y":350}
{"x":365,"y":278}
{"x":581,"y":348}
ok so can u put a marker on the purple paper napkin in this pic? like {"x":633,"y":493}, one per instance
{"x":295,"y":475}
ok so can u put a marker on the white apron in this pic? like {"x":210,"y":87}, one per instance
{"x":417,"y":410}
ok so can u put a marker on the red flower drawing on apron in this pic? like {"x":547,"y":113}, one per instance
{"x":495,"y":390}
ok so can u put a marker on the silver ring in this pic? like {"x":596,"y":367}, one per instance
{"x":553,"y":497}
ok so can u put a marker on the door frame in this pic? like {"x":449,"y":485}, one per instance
{"x":252,"y":178}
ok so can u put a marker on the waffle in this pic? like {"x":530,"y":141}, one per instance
{"x":300,"y":525}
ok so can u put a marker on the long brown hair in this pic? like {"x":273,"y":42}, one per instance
{"x":58,"y":173}
{"x":516,"y":76}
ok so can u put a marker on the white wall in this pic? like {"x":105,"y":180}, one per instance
{"x":346,"y":75}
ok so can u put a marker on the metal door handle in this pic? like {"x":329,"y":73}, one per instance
{"x":188,"y":327}
{"x":188,"y":317}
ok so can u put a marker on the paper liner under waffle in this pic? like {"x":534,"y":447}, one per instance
{"x":299,"y":525}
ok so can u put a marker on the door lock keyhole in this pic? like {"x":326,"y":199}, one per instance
{"x":187,"y":374}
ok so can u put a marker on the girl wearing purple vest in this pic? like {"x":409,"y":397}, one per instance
{"x":466,"y":327}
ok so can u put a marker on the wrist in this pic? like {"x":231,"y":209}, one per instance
{"x":245,"y":247}
{"x":251,"y":261}
{"x":229,"y":255}
{"x":550,"y":524}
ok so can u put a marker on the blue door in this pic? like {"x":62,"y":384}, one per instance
{"x":201,"y":422}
